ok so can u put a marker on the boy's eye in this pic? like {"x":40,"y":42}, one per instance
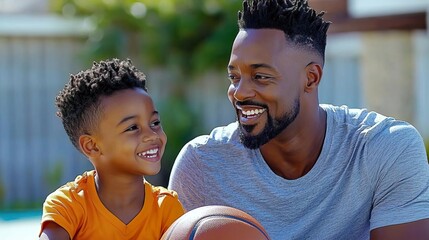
{"x":155,"y":123}
{"x":131,"y":128}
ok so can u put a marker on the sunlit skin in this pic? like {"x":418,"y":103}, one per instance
{"x":127,"y":144}
{"x":266,"y":70}
{"x":268,"y":75}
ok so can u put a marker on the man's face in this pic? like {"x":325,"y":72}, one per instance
{"x":266,"y":75}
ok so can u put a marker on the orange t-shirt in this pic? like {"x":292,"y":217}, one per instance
{"x":77,"y":208}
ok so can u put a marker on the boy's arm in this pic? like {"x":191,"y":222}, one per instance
{"x":53,"y":231}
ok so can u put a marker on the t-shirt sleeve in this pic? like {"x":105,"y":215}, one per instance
{"x":172,"y":209}
{"x":60,"y":208}
{"x":400,"y":177}
{"x":187,"y":177}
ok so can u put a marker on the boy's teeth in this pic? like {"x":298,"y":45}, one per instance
{"x":149,"y":152}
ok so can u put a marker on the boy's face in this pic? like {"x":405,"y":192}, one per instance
{"x":129,"y":136}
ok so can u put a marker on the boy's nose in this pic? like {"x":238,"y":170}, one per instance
{"x":150,"y":136}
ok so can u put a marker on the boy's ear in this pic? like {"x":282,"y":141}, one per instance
{"x":314,"y":73}
{"x":88,"y":146}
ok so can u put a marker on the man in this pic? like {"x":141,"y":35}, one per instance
{"x":303,"y":169}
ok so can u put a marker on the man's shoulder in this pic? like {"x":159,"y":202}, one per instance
{"x":379,"y":133}
{"x":219,"y":135}
{"x":348,"y":115}
{"x":222,"y":141}
{"x":370,"y":123}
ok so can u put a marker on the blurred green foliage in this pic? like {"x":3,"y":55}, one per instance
{"x":54,"y":176}
{"x":188,"y":38}
{"x":2,"y":194}
{"x":192,"y":35}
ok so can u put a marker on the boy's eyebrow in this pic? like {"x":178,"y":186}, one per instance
{"x":133,"y":116}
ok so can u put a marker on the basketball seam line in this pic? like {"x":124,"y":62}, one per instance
{"x":194,"y":229}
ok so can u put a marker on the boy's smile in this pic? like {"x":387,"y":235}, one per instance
{"x":150,"y":155}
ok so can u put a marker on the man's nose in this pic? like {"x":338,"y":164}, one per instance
{"x":244,"y":90}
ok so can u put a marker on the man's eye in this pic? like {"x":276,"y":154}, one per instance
{"x":232,"y":77}
{"x":261,"y":77}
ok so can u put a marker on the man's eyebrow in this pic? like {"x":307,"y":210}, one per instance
{"x":230,"y":67}
{"x":133,"y":116}
{"x":254,"y":66}
{"x":261,"y":65}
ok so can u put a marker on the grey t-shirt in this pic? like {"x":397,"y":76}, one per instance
{"x":372,"y":172}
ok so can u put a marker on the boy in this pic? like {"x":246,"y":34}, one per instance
{"x":109,"y":116}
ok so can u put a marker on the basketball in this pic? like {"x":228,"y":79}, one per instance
{"x":215,"y":223}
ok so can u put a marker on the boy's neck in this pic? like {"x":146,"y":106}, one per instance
{"x":123,"y":197}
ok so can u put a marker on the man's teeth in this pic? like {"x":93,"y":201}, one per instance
{"x":148,"y":152}
{"x":253,"y":112}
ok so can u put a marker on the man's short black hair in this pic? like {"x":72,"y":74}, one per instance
{"x":300,"y":23}
{"x":78,"y":102}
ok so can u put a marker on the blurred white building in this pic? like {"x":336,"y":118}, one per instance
{"x":23,"y":6}
{"x":378,"y":57}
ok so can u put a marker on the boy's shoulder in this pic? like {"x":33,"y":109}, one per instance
{"x":70,"y":199}
{"x":77,"y":187}
{"x":81,"y":182}
{"x":163,"y":198}
{"x":160,"y":191}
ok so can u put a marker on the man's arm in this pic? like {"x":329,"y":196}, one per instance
{"x":414,"y":230}
{"x":401,"y":196}
{"x":53,"y":231}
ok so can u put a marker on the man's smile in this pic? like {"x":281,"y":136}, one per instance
{"x":249,"y":114}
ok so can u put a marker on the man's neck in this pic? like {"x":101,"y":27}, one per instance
{"x":294,"y":156}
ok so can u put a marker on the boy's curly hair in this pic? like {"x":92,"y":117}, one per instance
{"x":300,"y":23}
{"x":78,"y":102}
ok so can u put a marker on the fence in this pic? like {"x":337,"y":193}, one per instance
{"x":36,"y":57}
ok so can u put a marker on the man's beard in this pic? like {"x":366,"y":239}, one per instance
{"x":272,"y":128}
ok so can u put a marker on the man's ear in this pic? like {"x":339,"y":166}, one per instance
{"x":88,"y":146}
{"x":314,"y":73}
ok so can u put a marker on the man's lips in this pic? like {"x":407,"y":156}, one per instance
{"x":249,"y":114}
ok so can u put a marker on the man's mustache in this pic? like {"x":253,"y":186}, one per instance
{"x":250,"y":102}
